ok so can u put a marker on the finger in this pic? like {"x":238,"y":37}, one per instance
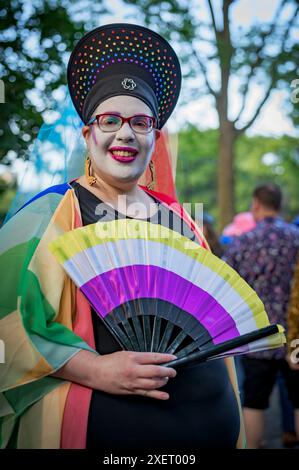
{"x":153,"y":358}
{"x":151,"y":384}
{"x":150,"y":371}
{"x":157,"y":394}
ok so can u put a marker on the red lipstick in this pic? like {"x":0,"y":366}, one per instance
{"x":123,"y":154}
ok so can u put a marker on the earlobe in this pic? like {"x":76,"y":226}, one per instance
{"x":85,"y":131}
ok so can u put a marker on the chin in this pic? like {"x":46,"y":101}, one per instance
{"x":125,"y":178}
{"x":128,"y":175}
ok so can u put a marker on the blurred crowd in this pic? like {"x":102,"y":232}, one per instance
{"x":264,"y":249}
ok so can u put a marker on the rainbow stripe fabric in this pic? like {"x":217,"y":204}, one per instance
{"x":44,"y":321}
{"x":35,"y":323}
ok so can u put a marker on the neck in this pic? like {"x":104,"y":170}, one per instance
{"x":110,"y":192}
{"x":113,"y":190}
{"x":114,"y":196}
{"x":266,"y":213}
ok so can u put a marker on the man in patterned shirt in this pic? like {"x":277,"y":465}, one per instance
{"x":265,"y":258}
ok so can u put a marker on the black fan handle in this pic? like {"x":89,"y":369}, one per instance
{"x":214,"y":350}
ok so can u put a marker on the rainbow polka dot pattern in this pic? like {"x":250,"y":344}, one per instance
{"x":125,"y":44}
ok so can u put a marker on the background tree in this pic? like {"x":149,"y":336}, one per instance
{"x":264,"y":54}
{"x":36,"y":37}
{"x":35,"y":40}
{"x":259,"y":159}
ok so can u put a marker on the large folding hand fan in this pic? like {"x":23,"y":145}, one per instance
{"x":158,"y":291}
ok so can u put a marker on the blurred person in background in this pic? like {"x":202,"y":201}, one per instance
{"x":295,"y":221}
{"x":265,"y":258}
{"x":242,"y":223}
{"x":293,"y":343}
{"x":211,"y":235}
{"x":293,"y":323}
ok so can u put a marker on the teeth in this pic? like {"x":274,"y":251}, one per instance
{"x":120,"y":153}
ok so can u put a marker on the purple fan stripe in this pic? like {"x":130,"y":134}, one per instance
{"x":111,"y":289}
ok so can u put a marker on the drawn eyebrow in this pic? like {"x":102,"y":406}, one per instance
{"x":112,"y":112}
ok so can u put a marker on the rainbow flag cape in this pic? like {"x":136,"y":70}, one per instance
{"x":44,"y":321}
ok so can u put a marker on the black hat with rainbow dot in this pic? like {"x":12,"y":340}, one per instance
{"x":124,"y":59}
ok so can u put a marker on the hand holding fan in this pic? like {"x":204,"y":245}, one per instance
{"x":158,"y":291}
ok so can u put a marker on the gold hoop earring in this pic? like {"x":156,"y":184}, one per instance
{"x":89,"y":178}
{"x":152,"y":184}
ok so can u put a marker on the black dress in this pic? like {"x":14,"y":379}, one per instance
{"x":202,"y":411}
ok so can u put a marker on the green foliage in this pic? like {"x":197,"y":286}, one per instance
{"x":7,"y":193}
{"x":265,"y":159}
{"x":169,"y":18}
{"x":35,"y":37}
{"x":196,"y":167}
{"x":258,"y":160}
{"x":217,"y":53}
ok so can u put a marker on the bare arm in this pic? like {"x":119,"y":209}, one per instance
{"x":120,"y":373}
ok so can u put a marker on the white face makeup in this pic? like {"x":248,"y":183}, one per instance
{"x":112,"y":153}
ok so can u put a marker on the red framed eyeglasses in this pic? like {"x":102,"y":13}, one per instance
{"x":109,"y":122}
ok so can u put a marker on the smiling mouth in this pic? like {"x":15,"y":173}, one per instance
{"x":123,"y":155}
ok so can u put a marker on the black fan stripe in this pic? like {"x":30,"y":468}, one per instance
{"x":150,"y":334}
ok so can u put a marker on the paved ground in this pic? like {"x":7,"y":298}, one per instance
{"x":273,"y":423}
{"x":273,"y":416}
